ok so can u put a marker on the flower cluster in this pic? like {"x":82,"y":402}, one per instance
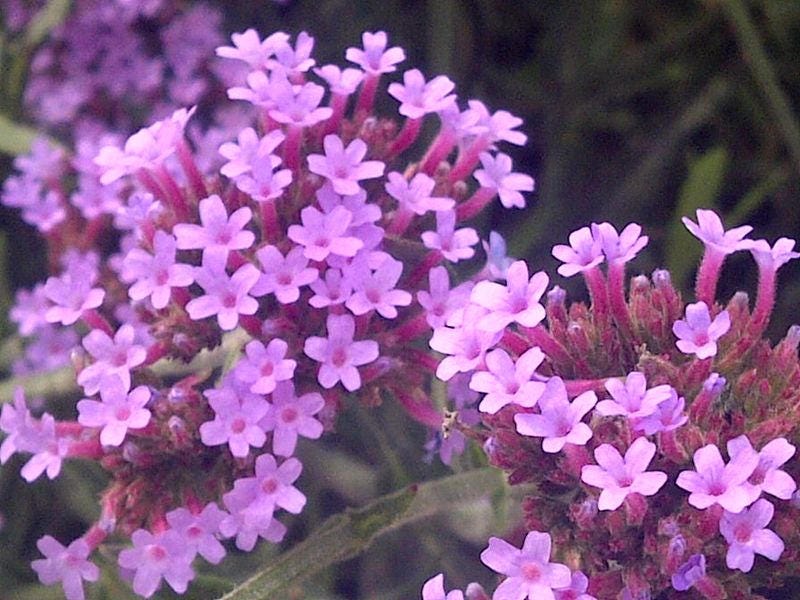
{"x":621,"y":413}
{"x":242,"y":303}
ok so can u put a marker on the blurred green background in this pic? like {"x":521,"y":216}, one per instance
{"x":635,"y":111}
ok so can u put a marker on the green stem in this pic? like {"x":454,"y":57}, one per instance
{"x":347,"y":534}
{"x":62,"y":381}
{"x":761,"y":67}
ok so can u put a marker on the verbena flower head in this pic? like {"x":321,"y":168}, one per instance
{"x":644,"y":392}
{"x":297,"y":233}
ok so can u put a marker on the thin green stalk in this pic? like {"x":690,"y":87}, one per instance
{"x":756,"y":57}
{"x":347,"y":534}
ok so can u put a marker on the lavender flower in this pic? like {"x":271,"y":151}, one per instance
{"x":69,"y":565}
{"x":118,"y":411}
{"x":618,"y":477}
{"x":529,"y":572}
{"x":559,"y":422}
{"x":714,"y":482}
{"x":747,"y":535}
{"x":156,"y":557}
{"x":698,"y":334}
{"x":434,"y":590}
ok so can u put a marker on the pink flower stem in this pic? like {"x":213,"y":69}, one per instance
{"x":251,"y":324}
{"x":152,"y":185}
{"x":420,"y":358}
{"x":468,"y":160}
{"x":515,"y":342}
{"x":270,"y":226}
{"x":539,"y":336}
{"x":411,"y":329}
{"x":441,"y":146}
{"x":366,"y":97}
{"x":291,"y":148}
{"x":576,"y":458}
{"x":407,"y":136}
{"x":69,"y":428}
{"x":181,"y":296}
{"x":338,"y":104}
{"x":97,"y":321}
{"x":175,"y":197}
{"x":576,"y":387}
{"x":598,"y":293}
{"x":93,"y":229}
{"x":475,"y":203}
{"x":95,"y":536}
{"x":90,"y":449}
{"x":400,"y":221}
{"x":705,"y":289}
{"x":422,"y":412}
{"x":616,"y":296}
{"x":189,"y":166}
{"x":669,"y":447}
{"x":765,"y":300}
{"x":430,"y":260}
{"x":156,"y":352}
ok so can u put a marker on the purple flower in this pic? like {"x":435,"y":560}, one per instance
{"x":584,"y":252}
{"x":235,"y":421}
{"x":698,"y":334}
{"x":264,"y":367}
{"x":418,"y":98}
{"x":710,"y":231}
{"x":773,"y":258}
{"x":342,"y":82}
{"x":339,"y":354}
{"x":334,"y":288}
{"x":415,"y":195}
{"x":343,"y":166}
{"x":28,"y":310}
{"x":689,"y":573}
{"x":434,"y":590}
{"x":47,"y":447}
{"x":297,"y":106}
{"x":294,"y":60}
{"x":72,"y":294}
{"x":246,"y":528}
{"x":153,"y":557}
{"x":375,"y":58}
{"x":747,"y":535}
{"x":249,"y":150}
{"x":283,"y":276}
{"x":375,"y":290}
{"x":632,"y":399}
{"x":256,"y":498}
{"x":226,"y":297}
{"x":619,"y":247}
{"x":324,"y":234}
{"x":767,"y":476}
{"x":69,"y":565}
{"x":454,"y":245}
{"x":198,"y":531}
{"x":146,"y":149}
{"x":497,"y":126}
{"x":668,"y":416}
{"x":466,"y":344}
{"x":496,"y":174}
{"x":118,"y":411}
{"x":618,"y":476}
{"x":19,"y":425}
{"x":506,"y":381}
{"x":155,"y":275}
{"x":529,"y":572}
{"x":218,"y":233}
{"x":497,"y":259}
{"x":112,"y":358}
{"x":290,"y":416}
{"x":261,"y":182}
{"x":559,"y":422}
{"x":517,"y":301}
{"x":441,"y":301}
{"x":248,"y":47}
{"x":714,"y":482}
{"x":576,"y":589}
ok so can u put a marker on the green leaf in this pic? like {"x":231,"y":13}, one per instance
{"x":347,"y":534}
{"x":700,"y":190}
{"x":47,"y":19}
{"x":15,"y":138}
